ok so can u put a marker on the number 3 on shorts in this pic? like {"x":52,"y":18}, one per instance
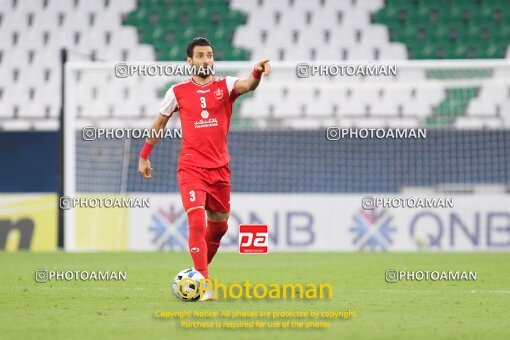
{"x":192,"y":197}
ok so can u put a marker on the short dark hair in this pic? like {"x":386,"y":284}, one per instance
{"x":200,"y":41}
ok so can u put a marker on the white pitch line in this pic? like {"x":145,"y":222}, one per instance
{"x":434,"y":291}
{"x":499,"y":291}
{"x":95,"y":288}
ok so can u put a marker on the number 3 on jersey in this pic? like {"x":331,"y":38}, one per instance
{"x":192,"y":197}
{"x":202,"y":102}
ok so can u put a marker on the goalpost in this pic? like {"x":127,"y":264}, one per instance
{"x":447,"y":95}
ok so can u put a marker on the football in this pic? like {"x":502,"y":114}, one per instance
{"x":187,"y":285}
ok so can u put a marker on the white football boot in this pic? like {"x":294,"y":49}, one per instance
{"x":208,"y":294}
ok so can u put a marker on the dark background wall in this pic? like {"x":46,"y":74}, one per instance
{"x":305,"y":161}
{"x":270,"y":161}
{"x":28,"y":162}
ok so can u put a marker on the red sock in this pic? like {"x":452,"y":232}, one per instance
{"x":213,"y":235}
{"x":196,"y":240}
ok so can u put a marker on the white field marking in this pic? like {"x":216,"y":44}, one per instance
{"x":96,"y":288}
{"x":499,"y":291}
{"x":435,"y":291}
{"x":42,"y":286}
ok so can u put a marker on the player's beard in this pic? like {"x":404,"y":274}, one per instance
{"x":203,"y":71}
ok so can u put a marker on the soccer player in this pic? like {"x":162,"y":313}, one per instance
{"x":204,"y":103}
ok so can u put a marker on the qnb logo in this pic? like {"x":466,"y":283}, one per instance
{"x":253,"y":239}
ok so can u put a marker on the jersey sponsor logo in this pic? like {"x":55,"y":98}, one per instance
{"x":203,"y":91}
{"x":204,"y":114}
{"x":218,"y":94}
{"x":204,"y":123}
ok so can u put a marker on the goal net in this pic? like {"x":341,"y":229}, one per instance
{"x":283,"y":137}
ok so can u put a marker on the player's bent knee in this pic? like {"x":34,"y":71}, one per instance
{"x":217,"y":216}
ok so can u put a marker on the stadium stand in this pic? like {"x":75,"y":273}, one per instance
{"x":453,"y":30}
{"x":161,"y":25}
{"x":448,"y":29}
{"x":32,"y":32}
{"x":288,"y":32}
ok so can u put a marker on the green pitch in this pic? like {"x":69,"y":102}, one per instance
{"x":94,"y":309}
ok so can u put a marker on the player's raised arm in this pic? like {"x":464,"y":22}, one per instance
{"x":144,"y":165}
{"x":251,"y":83}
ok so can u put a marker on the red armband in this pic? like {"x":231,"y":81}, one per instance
{"x":146,"y":150}
{"x":257,"y":74}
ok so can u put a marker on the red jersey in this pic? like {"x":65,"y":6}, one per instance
{"x":205,"y":112}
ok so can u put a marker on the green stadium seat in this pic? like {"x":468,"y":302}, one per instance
{"x":239,"y":54}
{"x":217,"y":3}
{"x":152,"y":4}
{"x":448,"y":29}
{"x":175,"y":53}
{"x":158,"y":34}
{"x":470,"y":32}
{"x":201,"y":15}
{"x":459,"y":51}
{"x":137,"y":17}
{"x":171,"y":17}
{"x":493,"y":51}
{"x":221,"y":34}
{"x":234,"y":17}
